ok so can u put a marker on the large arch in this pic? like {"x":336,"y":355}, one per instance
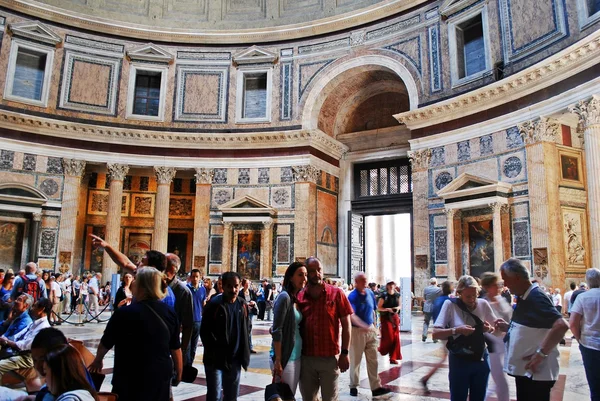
{"x":330,"y":77}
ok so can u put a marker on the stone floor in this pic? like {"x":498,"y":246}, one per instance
{"x":418,"y":357}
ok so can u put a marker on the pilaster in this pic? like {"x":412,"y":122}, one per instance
{"x":305,"y":238}
{"x":451,"y":243}
{"x":204,"y":177}
{"x":498,"y":210}
{"x":227,"y":246}
{"x":267,"y":250}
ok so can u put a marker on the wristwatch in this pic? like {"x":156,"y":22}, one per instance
{"x":344,"y":352}
{"x":541,"y":353}
{"x":454,"y":331}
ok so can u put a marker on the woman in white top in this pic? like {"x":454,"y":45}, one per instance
{"x":502,"y":309}
{"x":585,"y":325}
{"x":83,"y":294}
{"x":463,"y":322}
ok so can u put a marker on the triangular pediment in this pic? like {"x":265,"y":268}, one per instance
{"x":150,"y":52}
{"x":245,"y":202}
{"x":449,"y":7}
{"x":254,"y":55}
{"x":468,"y":184}
{"x":35,"y":30}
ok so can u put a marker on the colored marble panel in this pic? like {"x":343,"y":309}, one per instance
{"x":201,"y":94}
{"x":90,"y":83}
{"x":326,"y":218}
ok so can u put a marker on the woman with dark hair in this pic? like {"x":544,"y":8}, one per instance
{"x":388,"y":307}
{"x":249,"y":296}
{"x":286,"y":350}
{"x":5,"y":290}
{"x":124,"y":295}
{"x":66,"y":376}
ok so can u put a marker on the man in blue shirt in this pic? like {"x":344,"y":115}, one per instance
{"x":364,"y":336}
{"x":20,"y":284}
{"x":19,"y":318}
{"x":198,"y":297}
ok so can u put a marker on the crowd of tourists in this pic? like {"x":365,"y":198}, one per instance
{"x":499,"y":326}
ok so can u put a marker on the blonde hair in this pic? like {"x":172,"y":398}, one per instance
{"x":488,"y":278}
{"x":150,"y":283}
{"x":467,"y":282}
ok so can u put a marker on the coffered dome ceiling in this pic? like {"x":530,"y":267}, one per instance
{"x":212,"y":21}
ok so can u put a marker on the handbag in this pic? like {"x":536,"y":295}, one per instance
{"x":279,"y":391}
{"x":470,"y":347}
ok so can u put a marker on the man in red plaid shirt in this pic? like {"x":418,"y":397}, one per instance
{"x":324,"y":308}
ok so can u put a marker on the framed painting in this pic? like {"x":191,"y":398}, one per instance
{"x":575,"y":239}
{"x":481,"y":247}
{"x":11,"y":244}
{"x":137,"y":243}
{"x":571,"y":168}
{"x":248,"y":254}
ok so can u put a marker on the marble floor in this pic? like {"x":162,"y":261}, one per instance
{"x":403,"y":379}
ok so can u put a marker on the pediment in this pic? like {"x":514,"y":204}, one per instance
{"x":254,"y":55}
{"x":472,"y":185}
{"x":247,"y":203}
{"x":22,"y":191}
{"x":35,"y":30}
{"x":150,"y":52}
{"x":449,"y":7}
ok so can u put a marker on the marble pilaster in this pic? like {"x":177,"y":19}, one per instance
{"x":204,"y":178}
{"x":164,"y":177}
{"x":589,"y":119}
{"x":73,"y":171}
{"x":498,"y":210}
{"x":227,"y":246}
{"x":34,"y":236}
{"x":305,"y":240}
{"x":267,"y":249}
{"x":117,"y":173}
{"x":453,"y":260}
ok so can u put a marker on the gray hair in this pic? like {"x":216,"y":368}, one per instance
{"x":30,"y":268}
{"x":358,"y":275}
{"x":515,"y":267}
{"x":592,"y":276}
{"x":28,"y":299}
{"x":433,"y":281}
{"x":467,"y":282}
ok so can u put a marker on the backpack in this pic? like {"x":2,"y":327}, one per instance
{"x":31,"y":287}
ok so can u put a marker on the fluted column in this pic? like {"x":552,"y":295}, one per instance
{"x":267,"y":249}
{"x":73,"y":170}
{"x":34,"y":236}
{"x":117,"y":173}
{"x":451,"y":243}
{"x":204,"y":177}
{"x":305,"y":240}
{"x":164,"y":177}
{"x":589,"y":119}
{"x":227,"y":247}
{"x":498,"y":209}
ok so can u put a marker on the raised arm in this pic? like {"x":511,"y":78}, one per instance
{"x":119,"y":258}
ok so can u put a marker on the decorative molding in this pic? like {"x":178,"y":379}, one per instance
{"x":117,"y":172}
{"x":35,"y":30}
{"x":91,"y":45}
{"x":164,"y":175}
{"x":73,"y":167}
{"x":542,"y":130}
{"x":306,"y":174}
{"x":555,"y":68}
{"x":449,"y":7}
{"x":357,"y":38}
{"x":325,"y":46}
{"x":254,"y":55}
{"x":204,"y":175}
{"x":419,"y":159}
{"x":588,"y":112}
{"x":150,"y":52}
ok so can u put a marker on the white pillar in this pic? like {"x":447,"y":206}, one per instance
{"x":164,"y":176}
{"x":117,"y":173}
{"x":498,"y":209}
{"x":450,"y":243}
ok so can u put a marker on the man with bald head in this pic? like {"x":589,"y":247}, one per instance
{"x":20,"y":284}
{"x":183,"y":303}
{"x":364,"y":336}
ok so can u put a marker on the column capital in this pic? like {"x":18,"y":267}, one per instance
{"x":268,"y":224}
{"x":228,"y":225}
{"x":498,"y":207}
{"x":306,"y":173}
{"x":204,"y":175}
{"x":117,"y":171}
{"x":453,"y":213}
{"x":419,"y":159}
{"x":37,"y":216}
{"x":73,"y":167}
{"x":588,"y":111}
{"x":540,"y":130}
{"x":164,"y":175}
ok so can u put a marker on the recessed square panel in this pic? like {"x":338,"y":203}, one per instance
{"x":202,"y":94}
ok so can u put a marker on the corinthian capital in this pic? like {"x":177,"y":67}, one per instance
{"x":498,"y":207}
{"x":117,"y":171}
{"x":588,"y":111}
{"x":73,"y":167}
{"x":542,"y":130}
{"x":204,"y":175}
{"x":164,"y":175}
{"x":419,"y":159}
{"x":306,"y":173}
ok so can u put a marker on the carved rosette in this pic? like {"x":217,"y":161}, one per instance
{"x":117,"y":171}
{"x":542,"y":130}
{"x":73,"y":167}
{"x":587,"y":111}
{"x":204,"y":175}
{"x":164,"y":175}
{"x":419,"y":159}
{"x":306,"y":174}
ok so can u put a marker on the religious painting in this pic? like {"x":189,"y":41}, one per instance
{"x":11,"y":244}
{"x":575,"y":238}
{"x":571,"y":168}
{"x":481,"y":247}
{"x":177,"y":244}
{"x":248,"y":254}
{"x":94,"y":254}
{"x":142,"y":205}
{"x":137,"y":243}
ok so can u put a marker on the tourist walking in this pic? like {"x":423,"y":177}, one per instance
{"x":388,"y":306}
{"x":249,"y":296}
{"x":430,"y":293}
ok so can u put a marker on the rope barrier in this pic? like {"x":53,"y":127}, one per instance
{"x":87,"y":313}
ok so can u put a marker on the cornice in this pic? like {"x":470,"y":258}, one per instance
{"x":185,"y":140}
{"x":267,"y":34}
{"x":555,"y":68}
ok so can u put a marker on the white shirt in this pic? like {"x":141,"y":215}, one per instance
{"x":587,"y":305}
{"x":452,"y":316}
{"x":54,"y":286}
{"x":557,"y":299}
{"x":24,"y":338}
{"x":93,"y":286}
{"x":567,"y":299}
{"x":66,"y":285}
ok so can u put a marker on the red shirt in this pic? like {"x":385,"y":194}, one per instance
{"x":321,"y":321}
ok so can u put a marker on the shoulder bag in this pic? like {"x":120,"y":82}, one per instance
{"x":470,"y":347}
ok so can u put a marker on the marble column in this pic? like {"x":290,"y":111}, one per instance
{"x":204,"y":177}
{"x":267,"y":249}
{"x":305,"y":239}
{"x":453,"y":261}
{"x":34,"y":236}
{"x":498,"y":210}
{"x":73,"y":170}
{"x":419,"y":160}
{"x":117,"y":173}
{"x":164,"y":177}
{"x":589,"y":120}
{"x":227,"y":246}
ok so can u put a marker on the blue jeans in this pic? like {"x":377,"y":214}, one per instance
{"x":591,"y":363}
{"x":223,"y":383}
{"x":468,"y":377}
{"x":190,"y":354}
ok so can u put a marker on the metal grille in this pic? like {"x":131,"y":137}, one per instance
{"x":383,"y":181}
{"x":364,"y":183}
{"x":405,"y":181}
{"x":127,"y":183}
{"x":383,"y":178}
{"x":373,"y":187}
{"x":393,"y":180}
